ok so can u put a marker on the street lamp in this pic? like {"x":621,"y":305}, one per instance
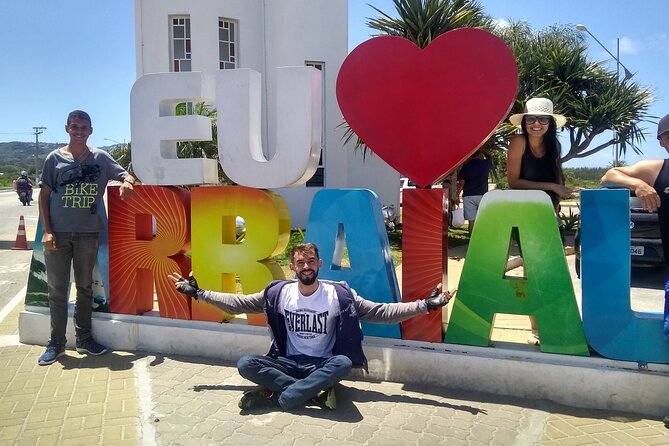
{"x":628,"y":73}
{"x":115,"y":142}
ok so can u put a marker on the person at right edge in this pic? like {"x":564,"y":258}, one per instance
{"x":534,"y":160}
{"x":649,"y":180}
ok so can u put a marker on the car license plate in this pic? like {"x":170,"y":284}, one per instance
{"x":636,"y":250}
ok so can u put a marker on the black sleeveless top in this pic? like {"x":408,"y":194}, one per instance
{"x":538,"y":169}
{"x":662,"y":188}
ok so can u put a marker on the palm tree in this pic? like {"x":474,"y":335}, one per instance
{"x":202,"y":149}
{"x":121,"y":153}
{"x":553,"y":63}
{"x":421,"y":21}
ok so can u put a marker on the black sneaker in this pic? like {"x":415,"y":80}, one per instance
{"x":91,"y":347}
{"x":260,"y":398}
{"x":53,"y":351}
{"x":326,"y":399}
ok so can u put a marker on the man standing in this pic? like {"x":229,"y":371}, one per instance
{"x":315,"y":331}
{"x":73,"y":182}
{"x":473,"y":184}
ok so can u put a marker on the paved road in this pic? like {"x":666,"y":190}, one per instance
{"x":14,"y":264}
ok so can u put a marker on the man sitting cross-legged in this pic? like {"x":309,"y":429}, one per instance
{"x":315,"y":331}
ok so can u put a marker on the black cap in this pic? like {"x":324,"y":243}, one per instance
{"x":663,"y":126}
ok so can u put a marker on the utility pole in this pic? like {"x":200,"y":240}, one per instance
{"x":38,"y":131}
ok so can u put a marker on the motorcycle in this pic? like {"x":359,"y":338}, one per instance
{"x":25,"y":196}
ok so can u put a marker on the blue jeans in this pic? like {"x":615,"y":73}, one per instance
{"x":296,"y":378}
{"x":78,"y":249}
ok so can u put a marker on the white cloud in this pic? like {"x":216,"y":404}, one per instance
{"x":501,"y":23}
{"x":630,"y":46}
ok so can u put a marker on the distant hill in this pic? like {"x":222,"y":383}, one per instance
{"x":22,"y":154}
{"x":16,"y":156}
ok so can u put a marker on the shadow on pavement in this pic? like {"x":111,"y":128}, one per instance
{"x":526,"y":403}
{"x":112,"y":361}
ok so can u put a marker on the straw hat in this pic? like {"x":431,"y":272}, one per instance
{"x":538,"y":107}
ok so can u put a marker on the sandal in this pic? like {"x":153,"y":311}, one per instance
{"x":533,"y":337}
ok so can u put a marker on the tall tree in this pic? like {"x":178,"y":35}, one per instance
{"x":553,"y":63}
{"x":421,"y":21}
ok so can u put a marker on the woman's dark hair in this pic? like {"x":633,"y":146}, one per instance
{"x":553,"y":148}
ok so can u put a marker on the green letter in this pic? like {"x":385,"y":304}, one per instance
{"x":545,"y":293}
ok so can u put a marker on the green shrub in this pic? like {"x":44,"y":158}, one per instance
{"x":570,"y":222}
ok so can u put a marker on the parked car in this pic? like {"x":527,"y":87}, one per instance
{"x":645,"y":243}
{"x":406,"y":183}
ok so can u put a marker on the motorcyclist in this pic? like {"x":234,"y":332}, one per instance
{"x":23,"y":184}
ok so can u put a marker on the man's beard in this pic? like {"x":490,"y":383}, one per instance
{"x":308,"y":280}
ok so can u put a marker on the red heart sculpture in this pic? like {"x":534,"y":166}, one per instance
{"x":424,"y":111}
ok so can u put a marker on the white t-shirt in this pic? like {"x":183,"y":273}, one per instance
{"x":310,"y":320}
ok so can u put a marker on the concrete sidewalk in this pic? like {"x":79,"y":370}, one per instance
{"x":138,"y":398}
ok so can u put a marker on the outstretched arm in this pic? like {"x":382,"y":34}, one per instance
{"x":639,"y":178}
{"x":228,"y":302}
{"x":392,"y":313}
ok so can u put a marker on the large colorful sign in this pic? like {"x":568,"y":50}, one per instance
{"x":153,"y":233}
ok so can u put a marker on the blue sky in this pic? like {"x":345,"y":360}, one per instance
{"x":80,"y":54}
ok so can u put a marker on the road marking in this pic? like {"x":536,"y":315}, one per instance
{"x":143,"y":388}
{"x":532,"y":427}
{"x":16,"y":268}
{"x":9,"y":341}
{"x":12,"y":303}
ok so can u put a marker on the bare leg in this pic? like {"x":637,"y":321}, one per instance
{"x":533,"y":337}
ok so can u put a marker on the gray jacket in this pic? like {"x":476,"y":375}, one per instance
{"x":368,"y":311}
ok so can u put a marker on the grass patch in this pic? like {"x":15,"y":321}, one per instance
{"x":456,"y":237}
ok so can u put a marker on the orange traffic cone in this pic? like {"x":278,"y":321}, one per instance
{"x":21,"y":242}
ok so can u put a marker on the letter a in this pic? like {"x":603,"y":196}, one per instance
{"x":546,"y":293}
{"x":352,"y":217}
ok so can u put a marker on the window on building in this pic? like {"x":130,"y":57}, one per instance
{"x":227,"y":44}
{"x":180,"y":43}
{"x":318,"y":180}
{"x":180,"y":51}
